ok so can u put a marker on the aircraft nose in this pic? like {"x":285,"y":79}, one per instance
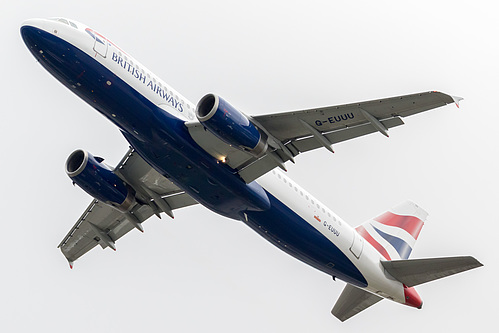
{"x":33,"y":38}
{"x":32,"y":24}
{"x":39,"y":35}
{"x":42,"y":40}
{"x":31,"y":31}
{"x":36,"y":28}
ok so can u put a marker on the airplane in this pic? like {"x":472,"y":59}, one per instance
{"x":182,"y":154}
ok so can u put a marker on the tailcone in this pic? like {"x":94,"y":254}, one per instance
{"x":412,"y":297}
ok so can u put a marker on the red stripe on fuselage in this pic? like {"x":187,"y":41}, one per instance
{"x":411,"y":224}
{"x":365,"y":234}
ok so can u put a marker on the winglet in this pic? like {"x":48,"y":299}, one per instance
{"x":456,"y":100}
{"x":70,"y":264}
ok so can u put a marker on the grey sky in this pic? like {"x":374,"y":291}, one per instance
{"x":201,"y":272}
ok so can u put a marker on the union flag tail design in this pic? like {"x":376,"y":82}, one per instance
{"x":395,"y":232}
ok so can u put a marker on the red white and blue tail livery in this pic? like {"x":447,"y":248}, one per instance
{"x":394,"y":233}
{"x":213,"y":154}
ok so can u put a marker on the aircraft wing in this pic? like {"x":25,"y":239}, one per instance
{"x":102,"y":225}
{"x":295,"y":132}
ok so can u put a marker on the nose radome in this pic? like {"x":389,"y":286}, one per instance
{"x":33,"y":27}
{"x":40,"y":35}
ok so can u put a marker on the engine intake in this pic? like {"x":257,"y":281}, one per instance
{"x":98,"y":180}
{"x":230,"y":125}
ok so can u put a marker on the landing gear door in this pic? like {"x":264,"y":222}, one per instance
{"x":100,"y":45}
{"x":357,"y":245}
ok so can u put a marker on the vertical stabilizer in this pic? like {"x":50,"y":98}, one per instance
{"x":394,"y":233}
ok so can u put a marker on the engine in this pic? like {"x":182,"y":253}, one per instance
{"x":98,"y":180}
{"x":230,"y":125}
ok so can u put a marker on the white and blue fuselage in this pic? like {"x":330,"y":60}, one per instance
{"x":152,"y":117}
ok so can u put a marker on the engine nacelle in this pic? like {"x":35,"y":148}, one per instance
{"x":230,"y":125}
{"x":98,"y":180}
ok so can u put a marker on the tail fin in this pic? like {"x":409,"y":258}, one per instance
{"x":413,"y":272}
{"x":395,"y":232}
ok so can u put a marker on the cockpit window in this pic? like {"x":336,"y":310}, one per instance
{"x":62,"y":20}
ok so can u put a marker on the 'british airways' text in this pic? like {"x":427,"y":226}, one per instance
{"x":140,"y":76}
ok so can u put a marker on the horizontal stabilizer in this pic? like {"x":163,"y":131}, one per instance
{"x":352,"y":301}
{"x":413,"y":272}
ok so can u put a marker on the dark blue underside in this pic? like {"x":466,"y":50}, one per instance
{"x":164,"y":142}
{"x":285,"y":229}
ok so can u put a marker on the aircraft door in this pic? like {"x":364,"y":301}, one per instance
{"x":357,"y":245}
{"x":101,"y":45}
